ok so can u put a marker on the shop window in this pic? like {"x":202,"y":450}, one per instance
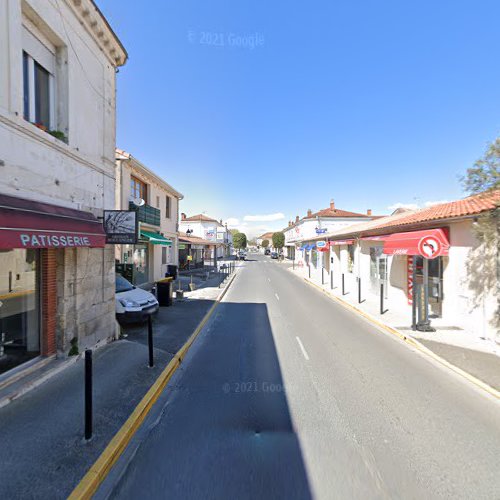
{"x":378,"y":264}
{"x":138,"y":189}
{"x":140,"y":263}
{"x":350,"y":258}
{"x":19,"y":307}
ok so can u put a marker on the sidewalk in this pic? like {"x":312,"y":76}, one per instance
{"x":478,"y":357}
{"x":43,"y":453}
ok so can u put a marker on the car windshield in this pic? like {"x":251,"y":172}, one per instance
{"x":122,"y":285}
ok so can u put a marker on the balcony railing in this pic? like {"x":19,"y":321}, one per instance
{"x":147,"y":214}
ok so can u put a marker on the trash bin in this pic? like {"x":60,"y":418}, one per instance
{"x":165,"y":291}
{"x":172,"y":271}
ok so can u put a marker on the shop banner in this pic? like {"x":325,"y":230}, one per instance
{"x":25,"y":238}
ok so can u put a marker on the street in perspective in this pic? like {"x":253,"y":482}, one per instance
{"x":249,"y":251}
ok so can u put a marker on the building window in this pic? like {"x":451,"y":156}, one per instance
{"x":38,"y":90}
{"x":19,"y":307}
{"x":138,"y":189}
{"x":164,"y":255}
{"x":168,"y":207}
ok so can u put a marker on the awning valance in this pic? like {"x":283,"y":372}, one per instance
{"x":341,"y":242}
{"x":155,"y":238}
{"x":32,"y":224}
{"x":430,"y":243}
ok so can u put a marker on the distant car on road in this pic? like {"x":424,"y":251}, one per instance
{"x":241,"y":255}
{"x":274,"y":255}
{"x":267,"y":251}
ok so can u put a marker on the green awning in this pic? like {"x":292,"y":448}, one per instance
{"x":155,"y":238}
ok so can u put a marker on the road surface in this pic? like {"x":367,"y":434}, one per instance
{"x":286,"y":394}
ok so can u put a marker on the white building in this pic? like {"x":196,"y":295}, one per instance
{"x":315,"y":224}
{"x":158,"y":244}
{"x":394,"y":251}
{"x":209,"y":229}
{"x":58,"y":64}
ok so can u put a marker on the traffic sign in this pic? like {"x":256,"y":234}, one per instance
{"x":429,"y":247}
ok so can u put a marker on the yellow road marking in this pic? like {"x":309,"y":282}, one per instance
{"x":98,"y":472}
{"x":413,"y":342}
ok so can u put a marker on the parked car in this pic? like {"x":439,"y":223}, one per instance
{"x":132,"y":304}
{"x":241,"y":255}
{"x":267,"y":251}
{"x":274,"y":255}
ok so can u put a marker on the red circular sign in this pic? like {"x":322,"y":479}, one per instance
{"x":429,"y":247}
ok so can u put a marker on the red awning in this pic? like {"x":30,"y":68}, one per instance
{"x":341,"y":242}
{"x":430,"y":243}
{"x":33,"y":224}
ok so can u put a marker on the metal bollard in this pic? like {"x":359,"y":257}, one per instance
{"x":331,"y":280}
{"x":309,"y":267}
{"x":343,"y":285}
{"x":359,"y":290}
{"x":88,"y":394}
{"x":293,"y":264}
{"x":322,"y":276}
{"x":150,"y":341}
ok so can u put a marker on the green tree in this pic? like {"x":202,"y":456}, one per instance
{"x":265,"y":243}
{"x":483,"y":262}
{"x":239,"y":240}
{"x":485,"y":174}
{"x":278,"y":240}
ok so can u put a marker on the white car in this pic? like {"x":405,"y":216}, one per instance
{"x":133,"y":304}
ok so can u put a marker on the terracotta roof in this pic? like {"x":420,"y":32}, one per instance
{"x":266,"y":236}
{"x":334,"y":212}
{"x":195,"y":240}
{"x":199,"y":217}
{"x":473,"y":205}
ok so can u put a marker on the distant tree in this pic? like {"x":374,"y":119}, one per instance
{"x":265,"y":243}
{"x":278,"y":240}
{"x":239,"y":240}
{"x":233,"y":231}
{"x":483,"y":263}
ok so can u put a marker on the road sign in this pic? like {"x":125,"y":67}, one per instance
{"x":429,"y":247}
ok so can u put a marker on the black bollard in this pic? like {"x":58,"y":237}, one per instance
{"x":150,"y":341}
{"x":382,"y":298}
{"x":343,"y":285}
{"x":88,"y":394}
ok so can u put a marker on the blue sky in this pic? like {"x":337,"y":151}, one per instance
{"x":261,"y":107}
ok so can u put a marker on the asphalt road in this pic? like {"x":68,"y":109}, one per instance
{"x":286,"y":394}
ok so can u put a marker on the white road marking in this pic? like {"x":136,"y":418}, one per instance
{"x":304,"y":352}
{"x":277,"y":296}
{"x":269,"y":280}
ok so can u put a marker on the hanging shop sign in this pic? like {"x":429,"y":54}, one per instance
{"x":120,"y":226}
{"x":320,"y":230}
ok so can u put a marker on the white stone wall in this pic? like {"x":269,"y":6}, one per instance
{"x":79,"y":174}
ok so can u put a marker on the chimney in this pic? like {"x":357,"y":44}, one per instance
{"x":297,"y":218}
{"x":332,"y":204}
{"x":183,"y":216}
{"x":309,"y":212}
{"x":369,"y":211}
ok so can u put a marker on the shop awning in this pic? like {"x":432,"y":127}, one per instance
{"x":32,"y":224}
{"x":155,"y":238}
{"x":430,"y":243}
{"x":341,"y":242}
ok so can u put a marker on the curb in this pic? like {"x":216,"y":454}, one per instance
{"x":89,"y":484}
{"x":410,"y":341}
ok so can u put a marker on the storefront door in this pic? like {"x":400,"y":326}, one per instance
{"x":141,"y":264}
{"x":19,"y":307}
